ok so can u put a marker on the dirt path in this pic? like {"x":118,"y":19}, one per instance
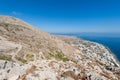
{"x":15,"y":53}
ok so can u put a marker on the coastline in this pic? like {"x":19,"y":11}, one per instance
{"x":114,"y":56}
{"x":117,"y":60}
{"x":66,"y":38}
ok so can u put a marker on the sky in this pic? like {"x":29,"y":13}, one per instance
{"x":66,"y":16}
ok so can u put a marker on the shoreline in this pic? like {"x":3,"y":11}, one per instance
{"x":75,"y":37}
{"x":115,"y":57}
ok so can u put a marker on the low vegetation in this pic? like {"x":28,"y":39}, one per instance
{"x":61,"y":56}
{"x":58,"y":56}
{"x":5,"y":58}
{"x":21,"y":60}
{"x":29,"y":57}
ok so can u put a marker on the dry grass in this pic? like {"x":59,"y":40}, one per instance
{"x":73,"y":75}
{"x":28,"y":71}
{"x":32,"y":39}
{"x":58,"y":56}
{"x":30,"y":57}
{"x":8,"y":58}
{"x":106,"y":74}
{"x":21,"y":59}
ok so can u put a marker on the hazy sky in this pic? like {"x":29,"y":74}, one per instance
{"x":66,"y":15}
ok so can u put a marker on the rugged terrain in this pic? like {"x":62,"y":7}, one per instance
{"x":27,"y":53}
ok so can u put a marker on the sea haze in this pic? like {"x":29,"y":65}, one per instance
{"x":110,"y":40}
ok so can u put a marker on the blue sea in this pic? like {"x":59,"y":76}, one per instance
{"x":112,"y":41}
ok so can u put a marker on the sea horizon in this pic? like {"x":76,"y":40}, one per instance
{"x":109,"y":40}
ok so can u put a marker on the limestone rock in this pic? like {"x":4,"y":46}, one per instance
{"x":27,"y":53}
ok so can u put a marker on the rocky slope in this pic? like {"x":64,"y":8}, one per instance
{"x":32,"y":41}
{"x":27,"y":53}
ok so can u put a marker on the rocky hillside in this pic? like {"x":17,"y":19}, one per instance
{"x":28,"y":42}
{"x":27,"y":53}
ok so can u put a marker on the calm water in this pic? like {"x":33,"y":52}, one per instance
{"x":112,"y":42}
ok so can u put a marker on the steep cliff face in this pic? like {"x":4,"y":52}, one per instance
{"x":27,"y":53}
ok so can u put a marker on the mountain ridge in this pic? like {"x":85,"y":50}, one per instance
{"x":28,"y":53}
{"x":30,"y":37}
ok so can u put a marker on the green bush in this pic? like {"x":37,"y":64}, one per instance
{"x":30,"y":57}
{"x":5,"y":58}
{"x":21,"y":60}
{"x":58,"y":56}
{"x":61,"y":56}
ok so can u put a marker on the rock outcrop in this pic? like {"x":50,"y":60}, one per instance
{"x":27,"y":53}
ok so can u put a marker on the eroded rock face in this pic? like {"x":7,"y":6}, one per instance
{"x":27,"y":53}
